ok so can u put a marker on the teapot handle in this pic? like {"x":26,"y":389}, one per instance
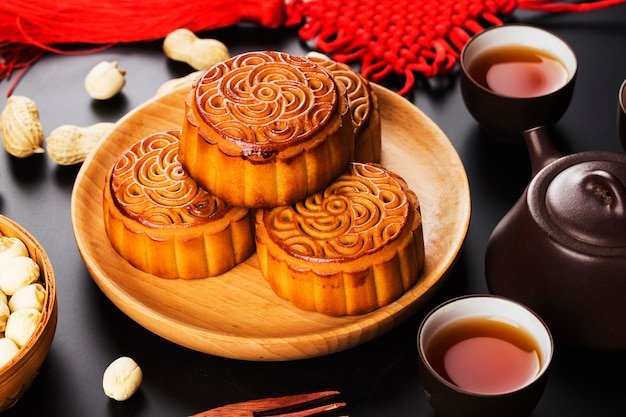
{"x":540,"y":148}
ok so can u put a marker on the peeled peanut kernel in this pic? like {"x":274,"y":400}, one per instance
{"x":21,"y":325}
{"x":69,"y":144}
{"x":201,"y":54}
{"x":104,"y":80}
{"x":18,"y":272}
{"x":30,"y":296}
{"x":8,"y":349}
{"x":20,"y":128}
{"x":122,"y":378}
{"x":5,"y":312}
{"x":3,"y":298}
{"x":11,"y":247}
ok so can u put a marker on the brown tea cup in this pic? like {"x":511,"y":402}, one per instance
{"x":483,"y":356}
{"x":516,"y":77}
{"x":621,"y":114}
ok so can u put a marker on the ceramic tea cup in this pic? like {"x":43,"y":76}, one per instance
{"x":516,"y":77}
{"x":483,"y":356}
{"x":621,"y":114}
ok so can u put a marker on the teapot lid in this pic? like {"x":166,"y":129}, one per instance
{"x":580,"y":200}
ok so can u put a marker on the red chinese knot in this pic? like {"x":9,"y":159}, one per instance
{"x":406,"y":37}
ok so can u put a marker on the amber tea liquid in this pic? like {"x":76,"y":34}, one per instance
{"x":484,"y":355}
{"x":518,"y":71}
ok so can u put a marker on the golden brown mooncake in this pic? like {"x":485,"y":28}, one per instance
{"x":354,"y":247}
{"x":163,"y":223}
{"x":265,"y":129}
{"x":363,"y":104}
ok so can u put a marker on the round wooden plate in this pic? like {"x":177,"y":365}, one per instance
{"x":236,"y":314}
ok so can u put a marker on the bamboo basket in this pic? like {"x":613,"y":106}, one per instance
{"x":17,"y":375}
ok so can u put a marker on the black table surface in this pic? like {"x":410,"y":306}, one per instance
{"x":378,"y":378}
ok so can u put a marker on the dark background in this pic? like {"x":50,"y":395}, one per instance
{"x":378,"y":378}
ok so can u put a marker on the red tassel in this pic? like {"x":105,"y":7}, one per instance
{"x":16,"y":57}
{"x":47,"y":23}
{"x":29,"y":27}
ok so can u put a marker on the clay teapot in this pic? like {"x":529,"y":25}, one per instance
{"x":561,"y":249}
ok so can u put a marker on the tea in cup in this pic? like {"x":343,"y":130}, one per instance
{"x":516,"y":77}
{"x":483,"y":355}
{"x":621,"y":114}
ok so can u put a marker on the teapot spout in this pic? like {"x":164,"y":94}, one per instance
{"x":540,"y":148}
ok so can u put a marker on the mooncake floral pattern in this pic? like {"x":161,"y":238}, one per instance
{"x":358,"y":214}
{"x":266,"y":97}
{"x":150,"y":185}
{"x":356,"y":87}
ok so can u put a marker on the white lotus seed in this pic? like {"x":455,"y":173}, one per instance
{"x":18,"y":272}
{"x":21,"y":325}
{"x":8,"y":349}
{"x":122,"y":378}
{"x":30,"y":296}
{"x":11,"y":247}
